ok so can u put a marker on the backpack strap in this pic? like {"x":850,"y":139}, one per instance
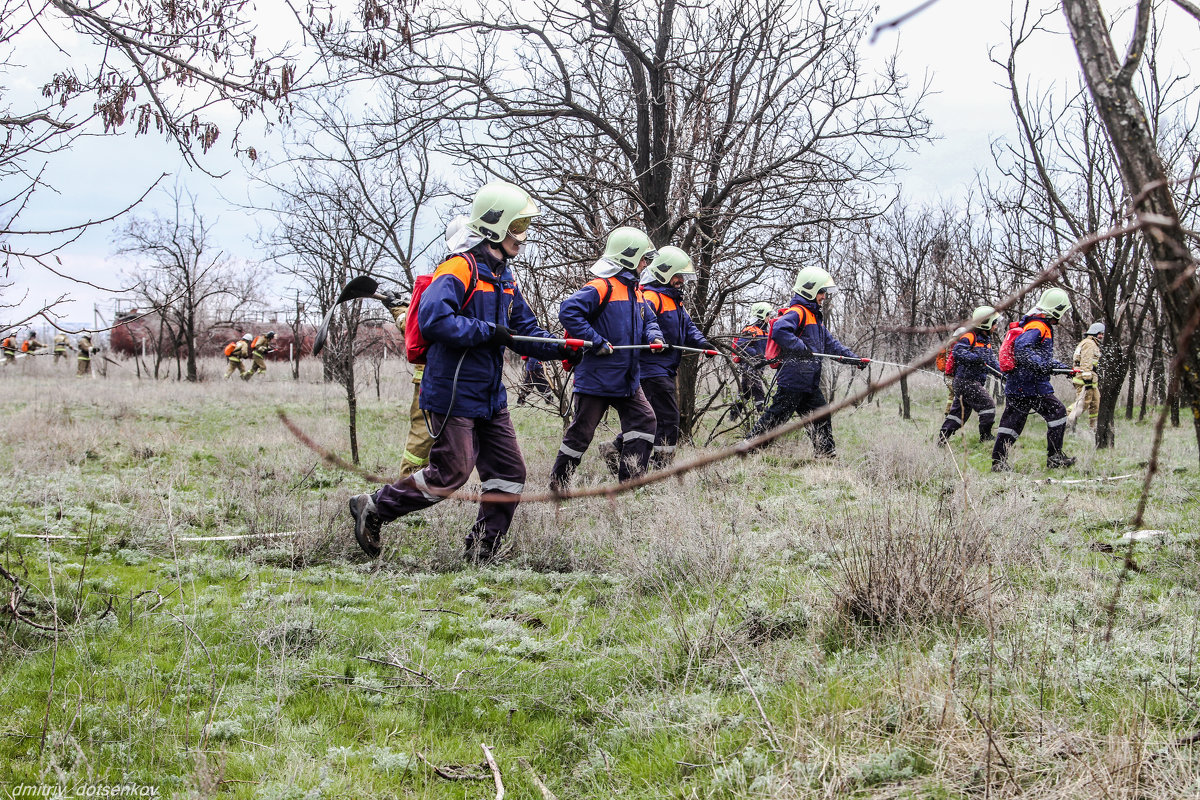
{"x":605,"y":296}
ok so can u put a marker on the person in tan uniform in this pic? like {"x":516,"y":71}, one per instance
{"x":241,"y":350}
{"x":418,"y":443}
{"x":84,"y":360}
{"x":61,"y":346}
{"x":259,"y":347}
{"x":1086,"y":358}
{"x":9,"y":347}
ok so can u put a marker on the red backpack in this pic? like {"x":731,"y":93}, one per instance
{"x":774,"y":352}
{"x":416,"y":346}
{"x":229,"y":348}
{"x":949,"y":365}
{"x":1006,"y":357}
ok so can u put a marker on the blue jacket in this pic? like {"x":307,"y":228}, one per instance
{"x":973,"y":354}
{"x":676,"y":326}
{"x":458,"y":333}
{"x":751,"y":345}
{"x":801,"y":372}
{"x":626,"y":319}
{"x":1033,"y":352}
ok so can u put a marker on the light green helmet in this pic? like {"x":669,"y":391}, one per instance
{"x":762,"y":311}
{"x":501,"y":208}
{"x":1054,"y":302}
{"x":812,"y":280}
{"x":984,"y":318}
{"x":669,"y":262}
{"x":625,"y":249}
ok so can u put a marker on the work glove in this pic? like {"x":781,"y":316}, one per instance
{"x":1078,"y":381}
{"x":659,"y":345}
{"x":392,"y":299}
{"x":603,"y":349}
{"x":570,"y":355}
{"x":501,"y":336}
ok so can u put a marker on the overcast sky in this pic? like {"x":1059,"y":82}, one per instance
{"x":947,"y":44}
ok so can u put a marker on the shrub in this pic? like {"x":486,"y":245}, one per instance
{"x":908,"y":565}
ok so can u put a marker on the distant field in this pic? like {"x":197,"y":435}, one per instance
{"x":899,"y":622}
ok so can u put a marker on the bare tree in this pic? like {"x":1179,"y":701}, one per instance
{"x":1146,"y":180}
{"x":180,"y":272}
{"x":348,"y":206}
{"x":727,"y":128}
{"x":164,"y":67}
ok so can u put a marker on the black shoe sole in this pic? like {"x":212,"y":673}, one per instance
{"x":369,"y":547}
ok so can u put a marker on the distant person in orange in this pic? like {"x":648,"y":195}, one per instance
{"x":31,"y":344}
{"x":61,"y":346}
{"x":84,"y":359}
{"x":235,"y":352}
{"x":8,"y":346}
{"x":259,"y":347}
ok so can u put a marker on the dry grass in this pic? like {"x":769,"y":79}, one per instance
{"x":899,"y":622}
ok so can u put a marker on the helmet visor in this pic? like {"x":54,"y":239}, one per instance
{"x":519,"y":228}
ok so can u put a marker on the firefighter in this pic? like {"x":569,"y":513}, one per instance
{"x":8,"y":346}
{"x":1085,"y":359}
{"x":236,"y":352}
{"x":972,"y":358}
{"x":799,"y":332}
{"x":259,"y":347}
{"x":31,"y":343}
{"x":462,"y":395}
{"x":84,"y":360}
{"x":61,"y":346}
{"x":611,"y":311}
{"x":417,"y":442}
{"x":533,"y":380}
{"x":662,"y":286}
{"x":1027,"y":389}
{"x":749,"y":348}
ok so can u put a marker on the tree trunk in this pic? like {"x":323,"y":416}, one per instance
{"x":1144,"y":177}
{"x":905,"y":400}
{"x":689,"y":370}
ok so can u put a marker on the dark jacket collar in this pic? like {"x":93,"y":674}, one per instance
{"x":487,"y":259}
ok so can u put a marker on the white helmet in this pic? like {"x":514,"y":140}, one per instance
{"x":247,"y":338}
{"x":762,"y":311}
{"x":811,"y":281}
{"x":1096,"y":329}
{"x":1054,"y":302}
{"x":501,"y":209}
{"x":624,"y":249}
{"x":669,"y":262}
{"x":984,"y":318}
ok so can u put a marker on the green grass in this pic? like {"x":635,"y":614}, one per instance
{"x":680,"y":642}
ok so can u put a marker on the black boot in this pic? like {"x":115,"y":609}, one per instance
{"x":1059,"y":461}
{"x":367,"y":524}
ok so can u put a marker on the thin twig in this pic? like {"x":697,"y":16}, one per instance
{"x":770,"y":730}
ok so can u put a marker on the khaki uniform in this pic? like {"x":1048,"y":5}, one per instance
{"x":1087,"y":395}
{"x":84,"y":359}
{"x":9,"y":347}
{"x":419,"y":442}
{"x":258,"y":350}
{"x":61,"y":346}
{"x":240,"y":351}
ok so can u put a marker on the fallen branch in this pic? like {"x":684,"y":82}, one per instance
{"x":495,"y":771}
{"x":1088,"y":480}
{"x":537,"y":781}
{"x":450,"y":776}
{"x":417,"y":673}
{"x":231,"y":538}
